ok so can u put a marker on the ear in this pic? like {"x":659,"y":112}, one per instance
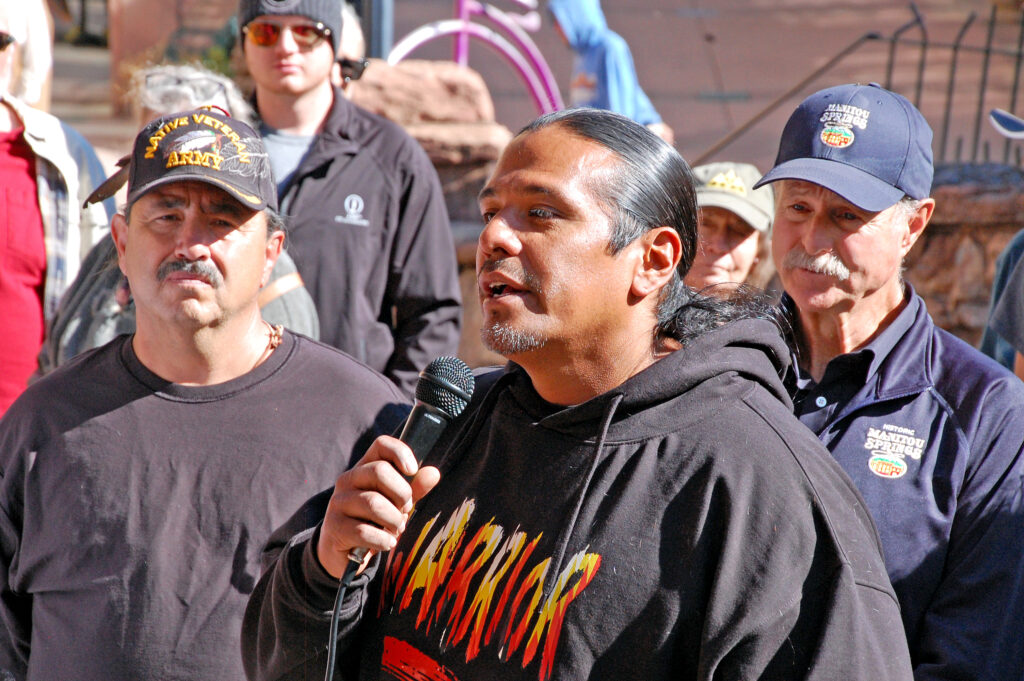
{"x":661,"y":250}
{"x":274,"y":244}
{"x":916,"y":225}
{"x":119,"y":232}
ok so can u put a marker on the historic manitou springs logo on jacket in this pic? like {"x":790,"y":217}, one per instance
{"x":839,"y":120}
{"x":890,"y":445}
{"x":479,"y":590}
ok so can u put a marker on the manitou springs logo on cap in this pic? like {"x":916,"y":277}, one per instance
{"x":889,"y":446}
{"x":839,"y":121}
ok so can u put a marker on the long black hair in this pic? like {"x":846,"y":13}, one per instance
{"x":654,"y":187}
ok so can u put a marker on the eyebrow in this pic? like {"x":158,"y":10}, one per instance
{"x":488,"y":192}
{"x":226,"y":208}
{"x":216,"y":206}
{"x":168,"y":200}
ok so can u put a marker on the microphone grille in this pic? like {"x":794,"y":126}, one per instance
{"x":446,"y":383}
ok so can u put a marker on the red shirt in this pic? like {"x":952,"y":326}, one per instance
{"x":22,"y":266}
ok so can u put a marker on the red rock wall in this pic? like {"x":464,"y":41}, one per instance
{"x":978,"y":210}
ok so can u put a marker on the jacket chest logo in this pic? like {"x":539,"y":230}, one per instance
{"x":354,"y":205}
{"x":889,"y":447}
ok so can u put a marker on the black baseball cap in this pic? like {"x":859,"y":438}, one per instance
{"x":204,"y":145}
{"x":863,"y":142}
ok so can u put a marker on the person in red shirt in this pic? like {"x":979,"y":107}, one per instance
{"x":46,"y":170}
{"x":23,"y":267}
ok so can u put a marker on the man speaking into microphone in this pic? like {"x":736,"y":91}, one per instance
{"x":630,"y":498}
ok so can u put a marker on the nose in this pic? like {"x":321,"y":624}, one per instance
{"x":286,"y":41}
{"x":712,"y":238}
{"x":192,"y":240}
{"x":498,"y":238}
{"x":815,"y":237}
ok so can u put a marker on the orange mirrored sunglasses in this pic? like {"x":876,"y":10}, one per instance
{"x":267,"y":33}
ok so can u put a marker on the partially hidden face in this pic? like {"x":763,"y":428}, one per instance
{"x":193,"y":255}
{"x":727,"y":249}
{"x":284,"y":56}
{"x":8,"y":18}
{"x":546,"y":275}
{"x":830,"y":254}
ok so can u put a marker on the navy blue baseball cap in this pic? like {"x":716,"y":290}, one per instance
{"x":867,"y":144}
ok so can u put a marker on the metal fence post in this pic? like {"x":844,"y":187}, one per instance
{"x":378,"y":17}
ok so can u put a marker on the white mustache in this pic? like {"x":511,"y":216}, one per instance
{"x":826,"y":263}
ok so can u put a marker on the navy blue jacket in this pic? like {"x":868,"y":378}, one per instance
{"x":933,"y":440}
{"x":992,"y":344}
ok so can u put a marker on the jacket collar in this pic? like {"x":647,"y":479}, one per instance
{"x":336,"y":135}
{"x":905,"y":369}
{"x":897,"y":355}
{"x":45,"y":136}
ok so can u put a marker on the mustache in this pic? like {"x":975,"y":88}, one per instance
{"x":825,"y":263}
{"x":513,"y":270}
{"x":201,"y":268}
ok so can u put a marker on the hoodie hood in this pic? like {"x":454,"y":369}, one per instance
{"x":582,"y":21}
{"x":707,"y":368}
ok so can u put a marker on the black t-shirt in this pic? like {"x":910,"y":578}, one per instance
{"x":134,"y":510}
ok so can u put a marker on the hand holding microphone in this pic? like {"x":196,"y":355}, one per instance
{"x":372,"y":501}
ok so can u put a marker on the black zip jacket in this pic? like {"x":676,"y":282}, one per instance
{"x":369,"y":232}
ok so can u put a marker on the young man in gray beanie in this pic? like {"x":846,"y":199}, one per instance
{"x":369,"y":227}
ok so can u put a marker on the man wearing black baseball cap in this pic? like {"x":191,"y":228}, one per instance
{"x":930,"y":430}
{"x":141,"y":478}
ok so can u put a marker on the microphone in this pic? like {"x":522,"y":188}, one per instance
{"x":443,"y":390}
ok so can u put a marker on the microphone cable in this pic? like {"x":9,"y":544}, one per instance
{"x":332,"y":642}
{"x":443,"y":390}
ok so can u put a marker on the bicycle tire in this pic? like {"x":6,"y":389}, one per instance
{"x":444,"y":28}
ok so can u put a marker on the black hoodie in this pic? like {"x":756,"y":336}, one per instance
{"x":682,"y":525}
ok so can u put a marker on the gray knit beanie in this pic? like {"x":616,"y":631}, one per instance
{"x":327,"y":12}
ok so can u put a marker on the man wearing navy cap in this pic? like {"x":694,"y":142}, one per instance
{"x":139,"y":481}
{"x":929,"y":429}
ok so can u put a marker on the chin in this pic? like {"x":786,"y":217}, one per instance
{"x":193,"y":314}
{"x":507,"y":340}
{"x":817,"y":300}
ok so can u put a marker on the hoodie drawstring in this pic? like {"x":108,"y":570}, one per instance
{"x":606,"y":423}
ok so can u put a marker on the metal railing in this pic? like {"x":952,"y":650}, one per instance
{"x":958,"y":127}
